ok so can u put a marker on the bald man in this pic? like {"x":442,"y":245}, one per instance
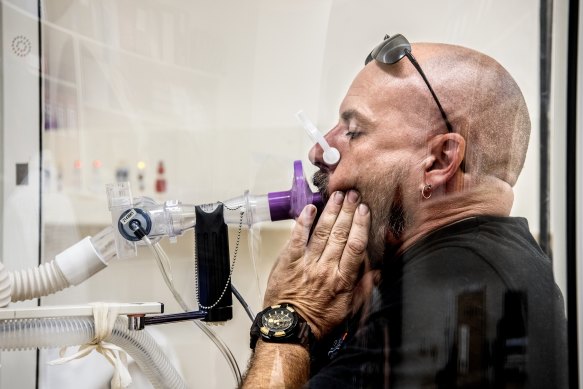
{"x":415,"y":276}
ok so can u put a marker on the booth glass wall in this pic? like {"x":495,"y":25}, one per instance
{"x":195,"y":101}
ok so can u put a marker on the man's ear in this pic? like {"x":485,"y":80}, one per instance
{"x":446,"y":154}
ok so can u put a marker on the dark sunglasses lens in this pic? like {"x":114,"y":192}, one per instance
{"x":368,"y":59}
{"x":391,"y":50}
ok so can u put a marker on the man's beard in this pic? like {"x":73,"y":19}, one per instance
{"x":386,"y":208}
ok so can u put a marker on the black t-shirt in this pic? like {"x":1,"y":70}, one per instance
{"x":472,"y":305}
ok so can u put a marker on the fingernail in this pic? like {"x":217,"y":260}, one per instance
{"x":310,"y":211}
{"x":338,"y":197}
{"x":362,"y":209}
{"x":353,"y":196}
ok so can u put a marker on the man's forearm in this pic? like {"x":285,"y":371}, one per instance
{"x":278,"y":365}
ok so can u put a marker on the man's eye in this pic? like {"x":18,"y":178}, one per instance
{"x":352,"y":134}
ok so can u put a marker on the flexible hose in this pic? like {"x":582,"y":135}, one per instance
{"x":21,"y":334}
{"x":70,"y":267}
{"x":40,"y":281}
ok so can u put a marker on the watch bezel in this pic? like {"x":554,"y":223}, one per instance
{"x":298,"y":333}
{"x":274,"y":335}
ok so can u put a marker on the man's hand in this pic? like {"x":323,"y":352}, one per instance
{"x":319,"y":274}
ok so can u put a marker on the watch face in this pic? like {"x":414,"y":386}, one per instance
{"x":278,"y":320}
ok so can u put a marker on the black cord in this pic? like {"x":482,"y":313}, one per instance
{"x":243,"y":302}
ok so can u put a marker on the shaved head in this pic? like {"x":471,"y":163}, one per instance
{"x":484,"y":105}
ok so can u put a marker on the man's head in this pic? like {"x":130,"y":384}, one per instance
{"x":394,"y":142}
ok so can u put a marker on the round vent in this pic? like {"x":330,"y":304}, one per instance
{"x":21,"y":46}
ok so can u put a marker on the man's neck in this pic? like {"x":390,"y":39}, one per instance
{"x":494,"y":199}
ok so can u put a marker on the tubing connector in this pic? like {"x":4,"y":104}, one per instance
{"x":79,"y":262}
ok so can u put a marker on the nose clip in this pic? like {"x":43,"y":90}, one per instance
{"x":331,"y":154}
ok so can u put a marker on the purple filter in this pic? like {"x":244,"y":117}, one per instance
{"x":289,"y":204}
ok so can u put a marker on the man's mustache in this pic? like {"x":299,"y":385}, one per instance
{"x":320,"y":180}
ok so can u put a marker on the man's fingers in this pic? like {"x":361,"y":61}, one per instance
{"x":301,"y":232}
{"x":341,"y":229}
{"x":355,"y":249}
{"x":325,"y":224}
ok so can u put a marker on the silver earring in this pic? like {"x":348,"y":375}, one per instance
{"x":426,"y":191}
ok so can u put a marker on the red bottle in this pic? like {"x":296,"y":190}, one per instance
{"x":160,"y":180}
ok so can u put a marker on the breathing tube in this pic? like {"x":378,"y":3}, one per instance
{"x":22,"y":334}
{"x":69,"y":268}
{"x":172,"y":218}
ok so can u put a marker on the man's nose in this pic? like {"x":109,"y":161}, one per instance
{"x":316,"y":154}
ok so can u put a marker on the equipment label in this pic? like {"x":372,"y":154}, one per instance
{"x":129,"y":216}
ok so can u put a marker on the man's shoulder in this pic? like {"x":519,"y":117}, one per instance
{"x":479,"y":238}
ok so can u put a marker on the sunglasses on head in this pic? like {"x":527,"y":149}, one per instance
{"x":390,"y":51}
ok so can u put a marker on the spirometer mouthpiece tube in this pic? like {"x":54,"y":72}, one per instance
{"x":172,"y":218}
{"x":289,"y":204}
{"x":274,"y":206}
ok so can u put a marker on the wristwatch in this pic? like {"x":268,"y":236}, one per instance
{"x":281,"y":323}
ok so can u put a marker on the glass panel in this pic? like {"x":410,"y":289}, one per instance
{"x":195,"y":102}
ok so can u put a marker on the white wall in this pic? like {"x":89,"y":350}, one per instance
{"x":211,"y":88}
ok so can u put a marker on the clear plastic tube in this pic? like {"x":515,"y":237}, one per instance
{"x":253,"y":241}
{"x":172,"y":218}
{"x":224,"y":349}
{"x":24,"y":334}
{"x":161,"y":257}
{"x":163,"y":263}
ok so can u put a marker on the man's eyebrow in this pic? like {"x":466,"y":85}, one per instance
{"x":354,"y":114}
